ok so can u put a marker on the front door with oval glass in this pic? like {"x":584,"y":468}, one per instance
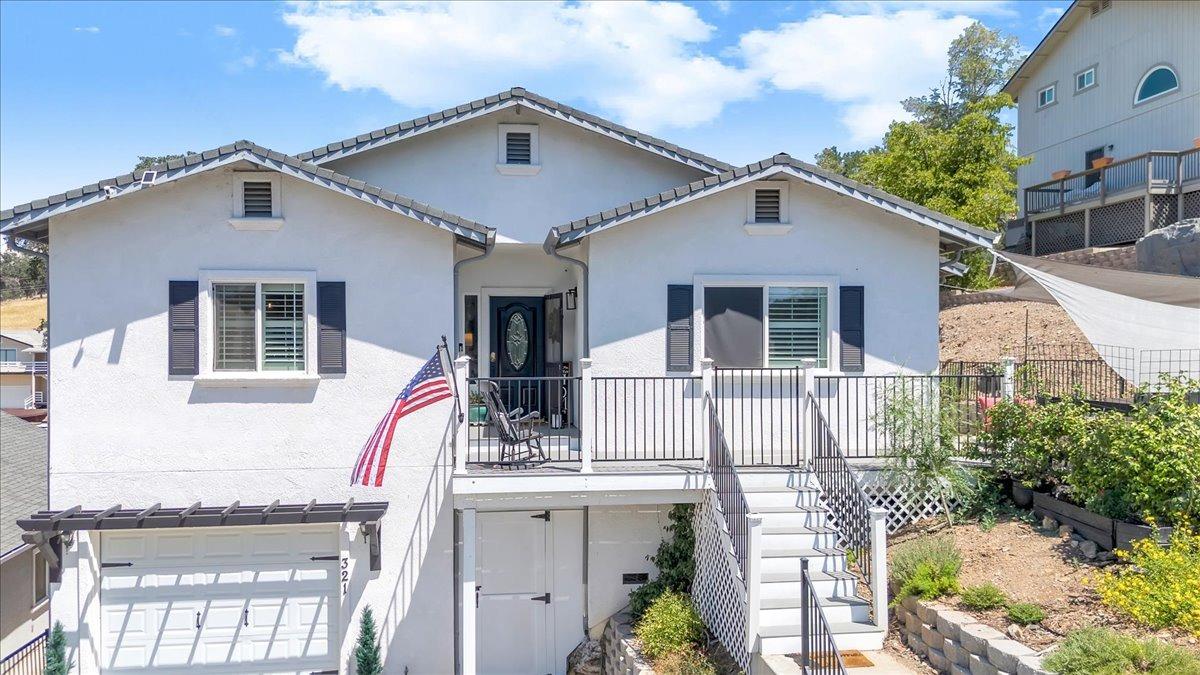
{"x":517,"y":348}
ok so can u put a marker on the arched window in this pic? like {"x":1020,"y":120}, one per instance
{"x":1157,"y":81}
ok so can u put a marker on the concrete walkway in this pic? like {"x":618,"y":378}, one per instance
{"x":885,"y":664}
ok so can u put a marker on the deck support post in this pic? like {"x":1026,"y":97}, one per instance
{"x":753,"y":580}
{"x":879,"y":580}
{"x":587,"y":415}
{"x":461,"y":440}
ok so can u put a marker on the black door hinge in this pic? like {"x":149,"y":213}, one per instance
{"x":324,"y":557}
{"x":124,"y":564}
{"x":545,"y":515}
{"x":543,"y":598}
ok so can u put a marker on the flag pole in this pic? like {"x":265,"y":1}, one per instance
{"x":445,"y":349}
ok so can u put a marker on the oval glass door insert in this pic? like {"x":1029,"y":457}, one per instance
{"x":516,"y":339}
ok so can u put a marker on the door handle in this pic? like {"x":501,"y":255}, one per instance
{"x":246,"y":618}
{"x":197,"y":620}
{"x":492,"y":357}
{"x":477,"y":589}
{"x":541,"y":598}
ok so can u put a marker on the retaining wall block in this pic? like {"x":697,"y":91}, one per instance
{"x":916,"y":644}
{"x":975,"y":637}
{"x":949,"y":622}
{"x":912,"y":623}
{"x":937,"y":659}
{"x":931,"y":637}
{"x":1030,"y":665}
{"x":958,"y":669}
{"x":911,"y":603}
{"x":1004,"y":654}
{"x":929,"y":612}
{"x":981,"y":666}
{"x":952,"y":649}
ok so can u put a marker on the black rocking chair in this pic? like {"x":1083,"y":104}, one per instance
{"x":514,"y":428}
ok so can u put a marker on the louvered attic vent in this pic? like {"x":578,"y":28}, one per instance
{"x":256,"y":199}
{"x":1101,"y":6}
{"x":518,"y":147}
{"x":766,"y":205}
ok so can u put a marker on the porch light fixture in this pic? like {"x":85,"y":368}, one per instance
{"x":572,"y":294}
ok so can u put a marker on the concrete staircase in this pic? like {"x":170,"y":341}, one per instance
{"x":796,"y":526}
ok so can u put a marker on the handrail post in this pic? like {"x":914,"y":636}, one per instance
{"x":461,"y":441}
{"x":805,"y":610}
{"x":753,"y":579}
{"x":807,"y":383}
{"x":707,"y":378}
{"x":1008,"y":379}
{"x":587,"y":415}
{"x":879,"y":583}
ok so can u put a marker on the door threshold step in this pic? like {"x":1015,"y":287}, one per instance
{"x":835,"y":627}
{"x":792,"y":577}
{"x":801,"y":552}
{"x":828,"y":601}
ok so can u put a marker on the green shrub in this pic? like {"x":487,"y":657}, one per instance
{"x":1031,"y":443}
{"x":1026,"y":613}
{"x":984,"y":596}
{"x":57,"y":662}
{"x":686,"y":661}
{"x":675,"y":561}
{"x":1161,"y":586}
{"x":1145,"y":464}
{"x":367,"y":659}
{"x":669,"y":625}
{"x":1099,"y":651}
{"x":927,"y":567}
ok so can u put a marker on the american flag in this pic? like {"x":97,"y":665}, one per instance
{"x":429,"y":386}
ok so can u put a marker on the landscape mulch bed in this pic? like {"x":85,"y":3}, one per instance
{"x":989,"y":330}
{"x":1042,"y":568}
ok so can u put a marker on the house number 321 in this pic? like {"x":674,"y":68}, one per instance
{"x":345,"y":575}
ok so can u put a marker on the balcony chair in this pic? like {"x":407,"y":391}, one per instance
{"x":513,"y":428}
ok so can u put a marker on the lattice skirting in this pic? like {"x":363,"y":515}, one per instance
{"x":717,"y":588}
{"x":1164,"y":210}
{"x":1118,"y":223}
{"x":902,"y":508}
{"x":1063,"y":233}
{"x":1191,"y":204}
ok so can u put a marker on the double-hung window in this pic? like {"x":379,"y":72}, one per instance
{"x":260,"y":324}
{"x":772,"y":325}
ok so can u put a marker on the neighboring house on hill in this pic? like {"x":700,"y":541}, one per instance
{"x":23,"y":370}
{"x":583,"y":270}
{"x":24,"y":575}
{"x":1108,"y":109}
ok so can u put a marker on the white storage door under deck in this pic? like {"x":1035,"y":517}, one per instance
{"x":220,"y":600}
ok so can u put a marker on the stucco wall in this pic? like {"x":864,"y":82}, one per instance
{"x":1123,"y":43}
{"x":455,"y":169}
{"x":126,"y":432}
{"x":894,"y":259}
{"x":20,"y":619}
{"x":619,"y":540}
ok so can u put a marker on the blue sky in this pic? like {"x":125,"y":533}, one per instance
{"x":87,"y":87}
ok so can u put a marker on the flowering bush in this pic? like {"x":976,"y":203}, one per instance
{"x":1161,"y":587}
{"x":1031,"y":443}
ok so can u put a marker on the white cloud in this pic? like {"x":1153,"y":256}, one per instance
{"x":641,"y":62}
{"x":867,"y":62}
{"x":1048,"y":16}
{"x":86,"y":29}
{"x":224,"y":31}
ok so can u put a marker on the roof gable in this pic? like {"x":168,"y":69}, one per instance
{"x":517,"y":96}
{"x":950,"y":228}
{"x":1036,"y":58}
{"x":30,"y":220}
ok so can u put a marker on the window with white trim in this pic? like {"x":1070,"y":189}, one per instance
{"x":518,"y":152}
{"x":1046,"y":96}
{"x":1085,"y":79}
{"x":1158,"y":81}
{"x":797,"y":325}
{"x":773,"y":325}
{"x":258,"y":326}
{"x":8,"y":354}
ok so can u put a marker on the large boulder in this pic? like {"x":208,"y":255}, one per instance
{"x":1174,"y":249}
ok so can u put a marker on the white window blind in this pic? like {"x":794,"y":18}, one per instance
{"x":233,"y":313}
{"x":283,"y":326}
{"x":797,"y":323}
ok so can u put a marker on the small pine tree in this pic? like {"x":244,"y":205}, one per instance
{"x":57,"y":662}
{"x":367,"y":660}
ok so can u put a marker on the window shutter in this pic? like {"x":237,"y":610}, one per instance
{"x":766,"y":205}
{"x":331,"y":330}
{"x":256,"y":199}
{"x":853,"y":328}
{"x":518,"y":147}
{"x":183,"y":326}
{"x":679,"y":328}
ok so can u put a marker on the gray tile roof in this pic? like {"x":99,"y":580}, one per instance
{"x":950,"y":227}
{"x":507,"y":99}
{"x":30,"y":337}
{"x":29,"y":218}
{"x":23,"y":488}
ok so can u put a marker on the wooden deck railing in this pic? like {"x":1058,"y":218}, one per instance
{"x":1150,"y":170}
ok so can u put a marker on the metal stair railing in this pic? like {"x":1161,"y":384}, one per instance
{"x":818,"y":650}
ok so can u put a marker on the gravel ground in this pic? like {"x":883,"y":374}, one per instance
{"x":989,"y":330}
{"x":1031,"y":566}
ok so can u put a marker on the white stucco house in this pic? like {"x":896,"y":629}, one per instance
{"x":23,"y":369}
{"x":663,"y":312}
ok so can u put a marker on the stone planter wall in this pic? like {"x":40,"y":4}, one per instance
{"x":955,"y":643}
{"x":620,"y":658}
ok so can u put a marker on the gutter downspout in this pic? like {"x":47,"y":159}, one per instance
{"x":488,"y":247}
{"x":15,"y":244}
{"x":550,"y":246}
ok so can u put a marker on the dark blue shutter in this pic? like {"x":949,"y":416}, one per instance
{"x":679,"y":328}
{"x":183,"y":328}
{"x":852,"y":304}
{"x":331,"y":327}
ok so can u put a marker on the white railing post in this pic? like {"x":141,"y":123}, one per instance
{"x":807,"y":383}
{"x":461,"y":440}
{"x":1008,"y":379}
{"x":707,"y":379}
{"x":587,"y":415}
{"x":753,"y":579}
{"x":879,"y":580}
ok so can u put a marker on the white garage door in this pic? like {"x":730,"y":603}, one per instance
{"x":220,"y":600}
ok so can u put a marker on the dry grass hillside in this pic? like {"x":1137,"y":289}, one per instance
{"x":989,"y":330}
{"x":22,"y":313}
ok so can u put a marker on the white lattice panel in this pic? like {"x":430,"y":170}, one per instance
{"x":717,"y":589}
{"x":902,"y":508}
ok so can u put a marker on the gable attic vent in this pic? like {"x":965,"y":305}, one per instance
{"x":518,"y":147}
{"x":766,"y":205}
{"x":1100,"y":6}
{"x":256,"y":199}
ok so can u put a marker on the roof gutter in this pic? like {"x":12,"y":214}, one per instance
{"x":489,"y":246}
{"x":15,"y":242}
{"x":550,"y":246}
